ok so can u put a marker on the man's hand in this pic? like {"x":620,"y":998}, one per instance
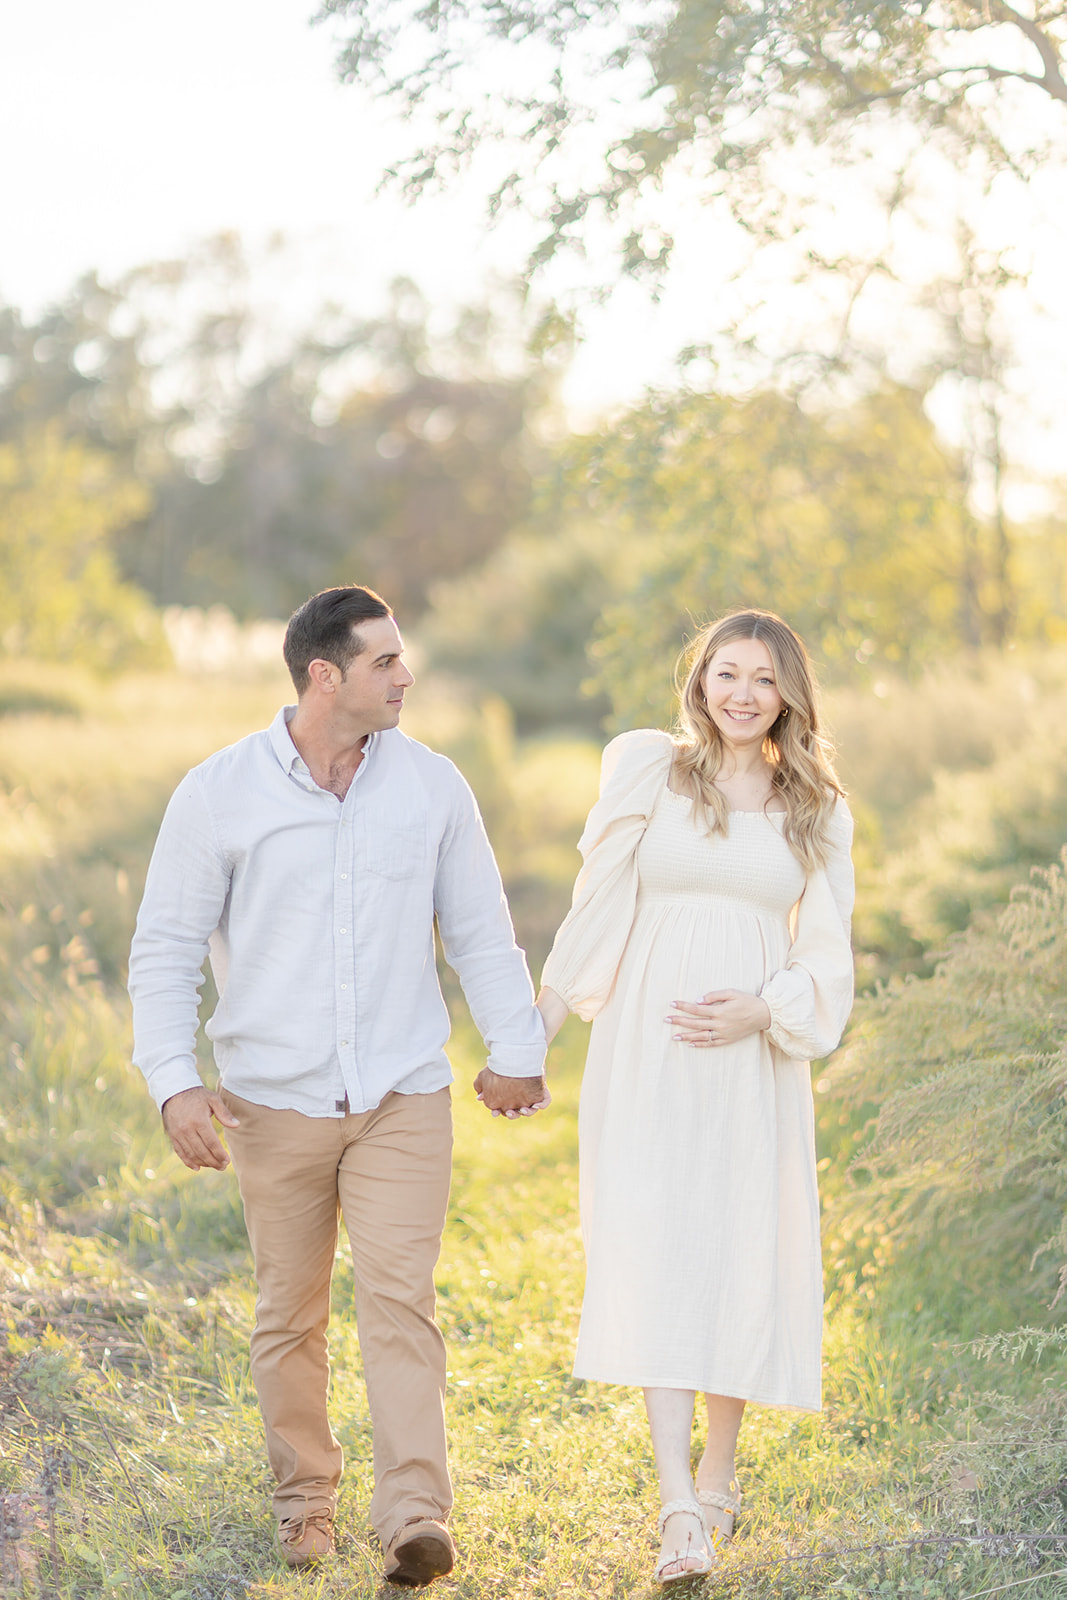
{"x":187,"y":1122}
{"x":511,"y":1097}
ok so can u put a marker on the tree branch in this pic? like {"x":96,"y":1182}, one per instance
{"x":1052,"y":81}
{"x":978,"y":73}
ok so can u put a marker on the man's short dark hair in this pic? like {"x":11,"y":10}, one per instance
{"x":322,"y":629}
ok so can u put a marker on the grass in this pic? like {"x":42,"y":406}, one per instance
{"x":130,"y":1425}
{"x":131,"y":1457}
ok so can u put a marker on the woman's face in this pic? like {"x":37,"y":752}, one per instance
{"x":741,"y":691}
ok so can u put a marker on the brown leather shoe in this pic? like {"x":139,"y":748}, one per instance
{"x":307,"y":1539}
{"x":421,"y":1551}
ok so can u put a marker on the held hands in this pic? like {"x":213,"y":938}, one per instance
{"x":521,"y":1097}
{"x":511,"y":1097}
{"x":723,"y":1017}
{"x":187,"y":1123}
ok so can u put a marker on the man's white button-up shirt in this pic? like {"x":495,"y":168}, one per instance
{"x":318,"y":918}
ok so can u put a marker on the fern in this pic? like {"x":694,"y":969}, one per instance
{"x":968,"y":1070}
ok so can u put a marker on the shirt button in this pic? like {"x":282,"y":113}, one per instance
{"x":344,"y":875}
{"x":344,"y":1042}
{"x":344,"y":930}
{"x":344,"y":986}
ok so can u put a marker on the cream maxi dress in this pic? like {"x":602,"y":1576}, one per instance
{"x":699,"y":1206}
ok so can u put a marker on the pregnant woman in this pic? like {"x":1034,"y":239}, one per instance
{"x":709,"y":940}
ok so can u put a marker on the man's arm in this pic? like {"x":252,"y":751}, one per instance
{"x":479,"y":944}
{"x":188,"y":881}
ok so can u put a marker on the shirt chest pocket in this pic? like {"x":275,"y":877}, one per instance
{"x":396,"y":849}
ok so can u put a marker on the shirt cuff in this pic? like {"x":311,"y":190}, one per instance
{"x":171,"y":1079}
{"x":510,"y":1060}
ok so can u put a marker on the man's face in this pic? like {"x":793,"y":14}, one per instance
{"x":370,"y":695}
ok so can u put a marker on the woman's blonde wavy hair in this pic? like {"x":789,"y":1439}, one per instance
{"x":800,"y":753}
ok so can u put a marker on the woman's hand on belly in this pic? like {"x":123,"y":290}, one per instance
{"x":724,"y":1016}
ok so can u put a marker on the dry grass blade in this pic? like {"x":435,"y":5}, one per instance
{"x":1017,"y":1583}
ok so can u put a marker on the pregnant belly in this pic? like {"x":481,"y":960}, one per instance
{"x":680,"y":948}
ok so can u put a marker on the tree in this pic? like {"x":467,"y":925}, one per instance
{"x":277,"y":461}
{"x":716,"y":84}
{"x":519,"y":625}
{"x":409,"y":474}
{"x":63,"y":598}
{"x":853,"y":523}
{"x":1039,"y":553}
{"x":975,"y":359}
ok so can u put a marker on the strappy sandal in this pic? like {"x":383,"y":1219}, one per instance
{"x":704,"y":1557}
{"x":729,"y":1504}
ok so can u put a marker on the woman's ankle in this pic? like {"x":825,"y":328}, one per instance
{"x":720,"y":1476}
{"x":676,"y":1488}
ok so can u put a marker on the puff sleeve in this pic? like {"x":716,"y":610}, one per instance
{"x":811,"y":996}
{"x":585,"y":956}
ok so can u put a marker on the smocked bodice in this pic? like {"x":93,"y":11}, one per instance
{"x":752,"y":865}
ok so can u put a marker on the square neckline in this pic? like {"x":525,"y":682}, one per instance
{"x":733,"y":810}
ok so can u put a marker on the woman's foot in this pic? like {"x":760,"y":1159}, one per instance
{"x":687,"y":1549}
{"x":720,"y":1501}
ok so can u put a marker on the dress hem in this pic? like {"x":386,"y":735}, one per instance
{"x":752,"y":1398}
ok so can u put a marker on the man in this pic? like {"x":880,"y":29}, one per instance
{"x":309,"y":861}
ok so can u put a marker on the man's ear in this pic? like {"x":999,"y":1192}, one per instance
{"x":324,"y":675}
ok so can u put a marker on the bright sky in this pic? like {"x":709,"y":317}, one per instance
{"x":140,"y":127}
{"x":133,"y":128}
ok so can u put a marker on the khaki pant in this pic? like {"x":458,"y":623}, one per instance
{"x":387,"y":1171}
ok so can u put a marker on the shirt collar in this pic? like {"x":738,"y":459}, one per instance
{"x":289,"y":757}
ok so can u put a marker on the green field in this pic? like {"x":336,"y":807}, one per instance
{"x":131,"y":1461}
